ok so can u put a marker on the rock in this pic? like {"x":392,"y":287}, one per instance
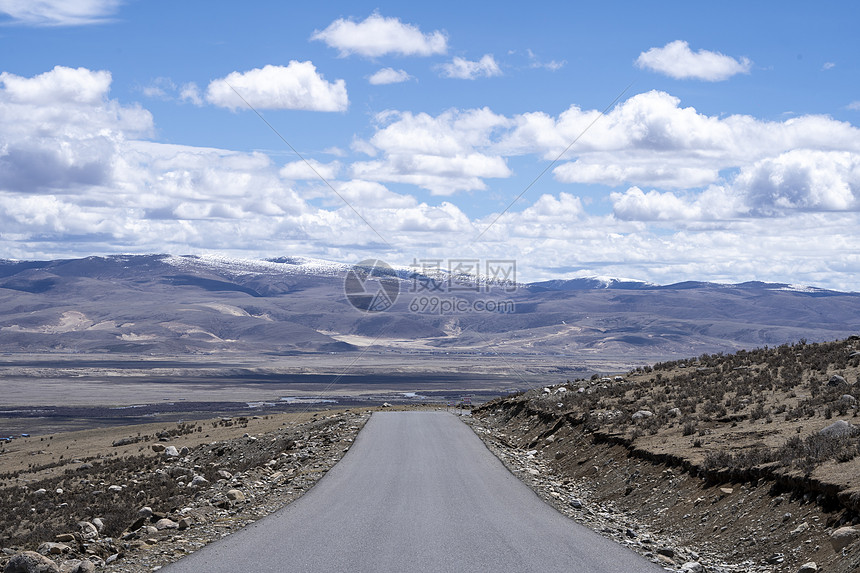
{"x":40,"y":491}
{"x":225,"y":474}
{"x":848,"y":398}
{"x":158,"y":448}
{"x":185,"y":523}
{"x":675,"y":412}
{"x":166,"y":523}
{"x":145,"y":511}
{"x":667,"y":551}
{"x":199,"y":481}
{"x":88,"y":530}
{"x":837,"y":380}
{"x":184,"y":451}
{"x":115,"y":488}
{"x":776,"y":559}
{"x":65,"y":538}
{"x":30,"y":562}
{"x":642,"y":414}
{"x":727,"y":490}
{"x":386,"y":405}
{"x":276,"y":477}
{"x":692,"y":567}
{"x":799,"y":529}
{"x":112,"y":558}
{"x":171,"y":452}
{"x":235,"y":495}
{"x":838,"y":429}
{"x":51,"y":548}
{"x":85,"y":466}
{"x":809,"y":567}
{"x":843,"y":537}
{"x":78,"y":566}
{"x":100,"y":525}
{"x":575,"y":503}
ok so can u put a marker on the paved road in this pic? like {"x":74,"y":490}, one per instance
{"x":417,"y":492}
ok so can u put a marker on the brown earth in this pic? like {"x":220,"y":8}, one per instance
{"x":719,"y":459}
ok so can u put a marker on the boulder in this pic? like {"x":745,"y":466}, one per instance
{"x":158,"y":448}
{"x":171,"y":452}
{"x":225,"y":474}
{"x":809,"y":567}
{"x":675,"y":412}
{"x":837,"y":380}
{"x":838,"y":429}
{"x":30,"y":562}
{"x":642,"y":414}
{"x":235,"y":495}
{"x":88,"y":530}
{"x":692,"y":567}
{"x":100,"y":525}
{"x":144,"y":512}
{"x":843,"y":537}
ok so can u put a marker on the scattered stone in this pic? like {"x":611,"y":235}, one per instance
{"x":575,"y":503}
{"x":810,"y":567}
{"x":166,"y":523}
{"x":51,"y":548}
{"x":843,"y":537}
{"x":171,"y":452}
{"x":727,"y":490}
{"x":145,"y":511}
{"x":184,"y":451}
{"x":65,"y":538}
{"x":837,"y":380}
{"x":848,"y":398}
{"x":185,"y":523}
{"x":30,"y":562}
{"x":675,"y":412}
{"x":78,"y":566}
{"x":642,"y":414}
{"x":799,"y":529}
{"x":386,"y":405}
{"x":225,"y":474}
{"x":158,"y":448}
{"x":100,"y":525}
{"x":40,"y":491}
{"x":692,"y":567}
{"x":667,"y":551}
{"x":115,"y":488}
{"x":199,"y":481}
{"x":776,"y":559}
{"x":235,"y":495}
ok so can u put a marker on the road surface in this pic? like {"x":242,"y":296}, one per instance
{"x":417,"y":492}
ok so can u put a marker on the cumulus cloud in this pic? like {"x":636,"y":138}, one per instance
{"x":854,"y":105}
{"x":676,"y":60}
{"x":462,"y":69}
{"x":296,"y":86}
{"x":389,"y":76}
{"x":60,"y":12}
{"x":444,"y":154}
{"x":191,"y":93}
{"x":378,"y":36}
{"x":62,"y":84}
{"x":311,"y":169}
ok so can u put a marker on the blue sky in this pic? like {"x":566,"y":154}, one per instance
{"x":734,"y":153}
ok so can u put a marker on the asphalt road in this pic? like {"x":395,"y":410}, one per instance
{"x":418,"y":491}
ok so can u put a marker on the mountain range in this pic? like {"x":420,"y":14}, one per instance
{"x":170,"y":305}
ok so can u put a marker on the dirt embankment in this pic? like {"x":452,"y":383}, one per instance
{"x":720,"y":461}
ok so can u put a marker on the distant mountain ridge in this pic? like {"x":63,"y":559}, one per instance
{"x":203,"y":304}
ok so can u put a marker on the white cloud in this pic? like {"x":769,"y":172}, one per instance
{"x":802,"y":179}
{"x":854,"y":105}
{"x":389,"y":76}
{"x":60,"y":12}
{"x":462,"y":69}
{"x":57,"y":86}
{"x":296,"y":86}
{"x":191,"y":93}
{"x":443,"y":154}
{"x":828,"y":66}
{"x":378,"y":36}
{"x":300,"y":170}
{"x":676,"y":60}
